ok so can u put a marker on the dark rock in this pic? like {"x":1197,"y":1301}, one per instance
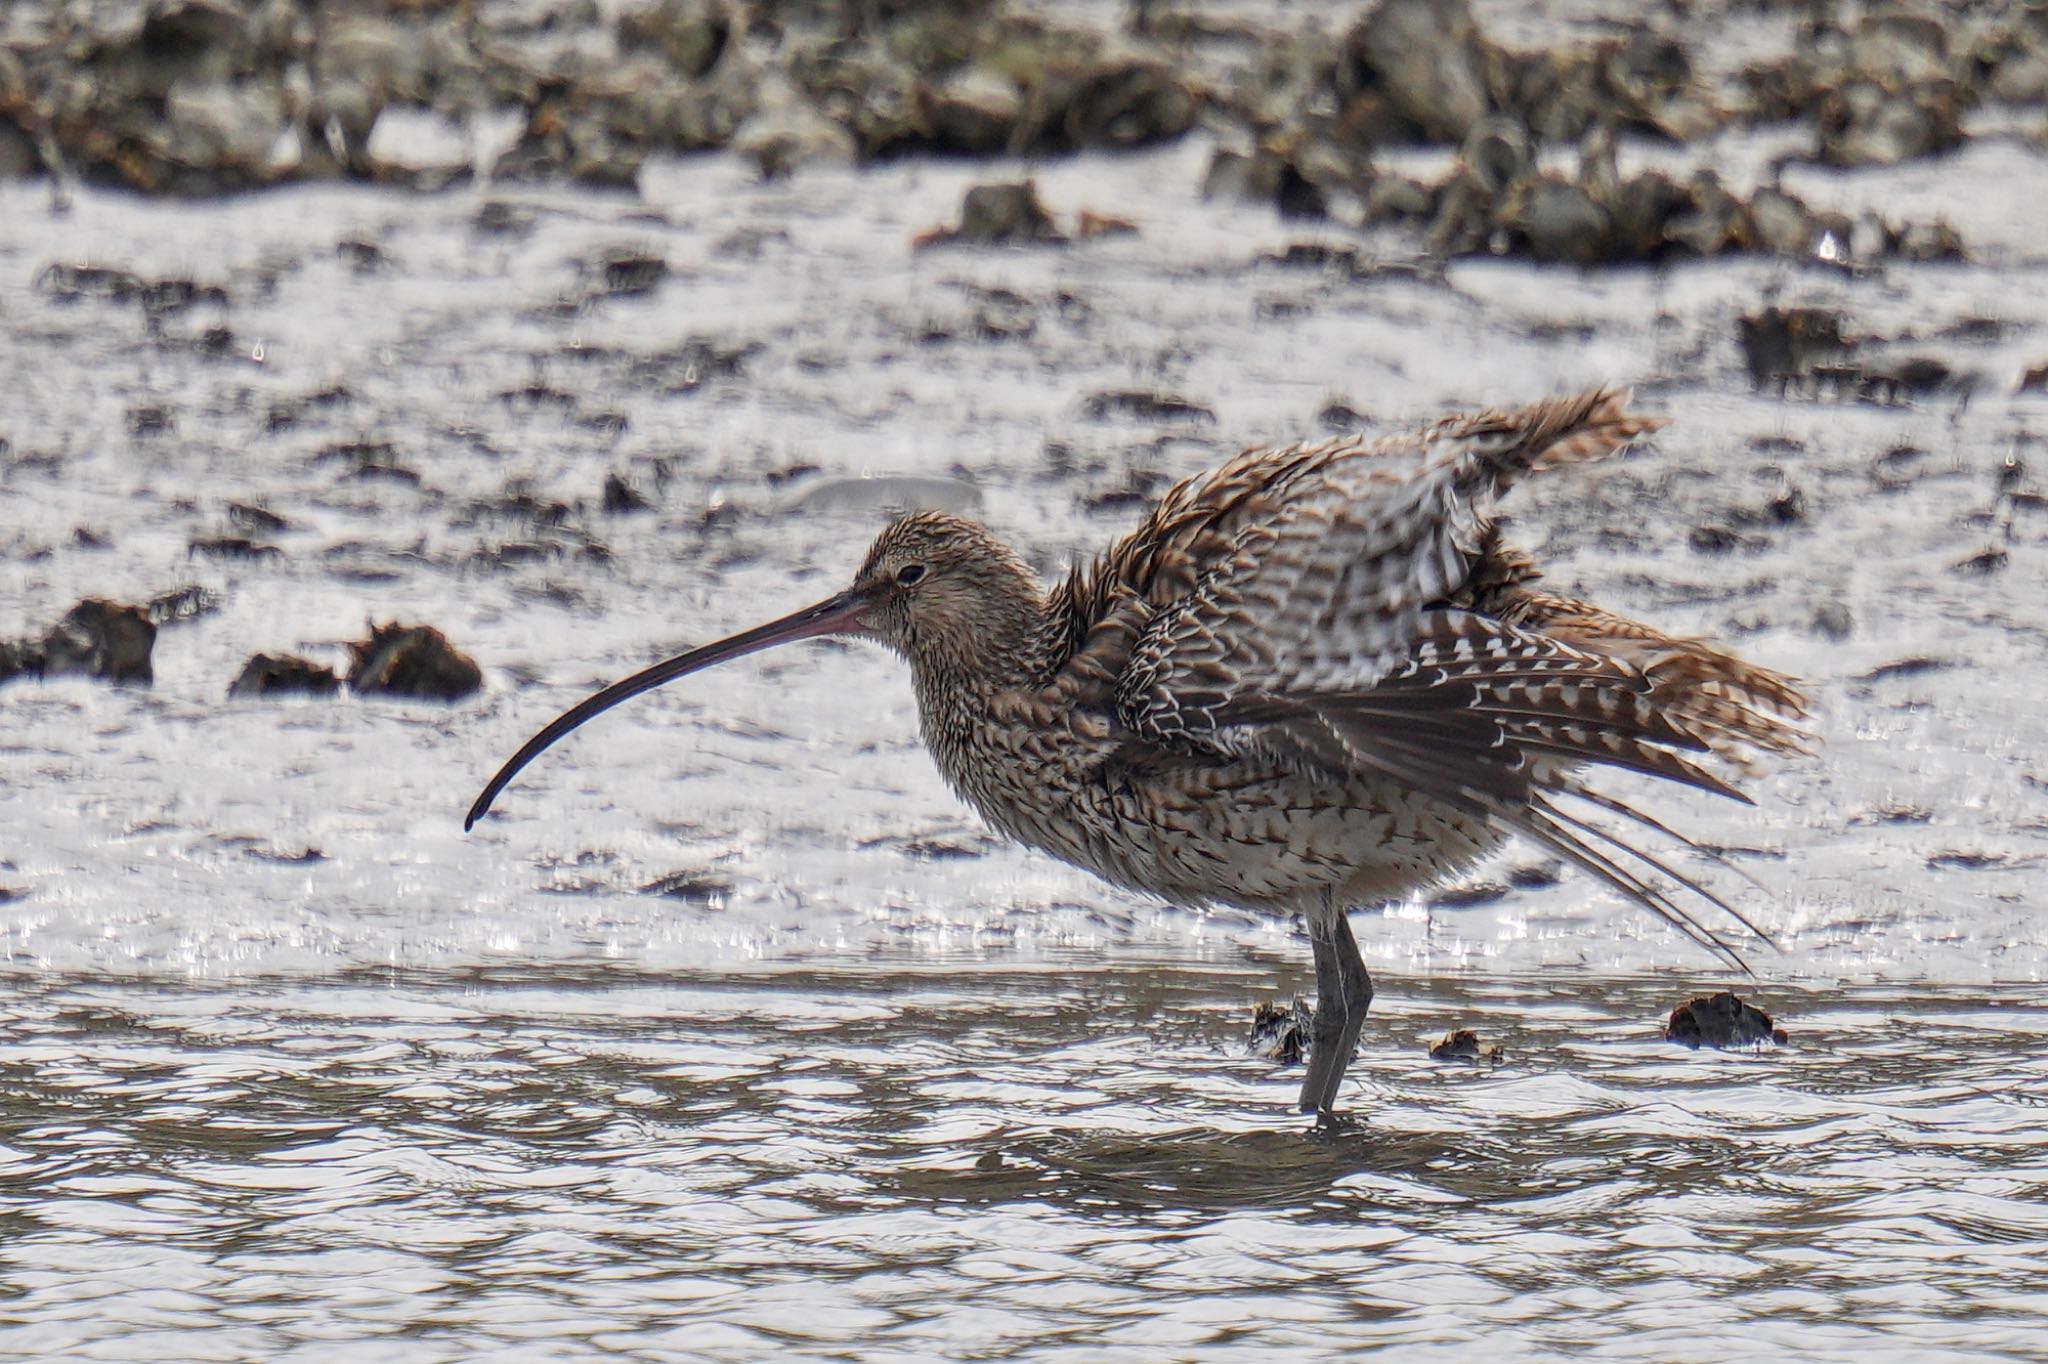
{"x":19,"y":657}
{"x":1463,"y":1044}
{"x":1715,"y":539}
{"x":151,"y":419}
{"x":1863,"y":123}
{"x":1721,"y":1021}
{"x":621,"y":497}
{"x":696,"y":887}
{"x":1127,"y":102}
{"x":1144,"y":406}
{"x":1967,"y":859}
{"x":630,"y":274}
{"x":691,"y":34}
{"x":1413,"y":70}
{"x":1982,"y":564}
{"x":1831,"y":620}
{"x":976,"y":111}
{"x":1552,"y":219}
{"x":1898,"y":467}
{"x":1918,"y":666}
{"x":232,"y":547}
{"x":363,"y":256}
{"x":278,"y":675}
{"x":1781,"y":346}
{"x":499,"y":219}
{"x":1281,"y":1033}
{"x":1327,"y":257}
{"x":996,"y":214}
{"x":251,"y":517}
{"x":1914,"y":376}
{"x":1787,"y":506}
{"x":1269,"y":174}
{"x":101,"y":639}
{"x":415,"y":661}
{"x":1341,"y":418}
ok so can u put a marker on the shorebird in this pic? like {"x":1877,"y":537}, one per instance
{"x":1313,"y":679}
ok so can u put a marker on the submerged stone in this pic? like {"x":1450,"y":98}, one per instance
{"x":1721,"y":1021}
{"x":1281,"y":1032}
{"x":1463,"y":1044}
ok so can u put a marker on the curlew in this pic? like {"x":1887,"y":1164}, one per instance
{"x":1313,"y":679}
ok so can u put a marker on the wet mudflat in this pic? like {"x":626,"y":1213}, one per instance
{"x":730,"y":1034}
{"x":971,"y":1162}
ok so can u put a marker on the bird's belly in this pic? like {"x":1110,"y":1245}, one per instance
{"x":1244,"y":834}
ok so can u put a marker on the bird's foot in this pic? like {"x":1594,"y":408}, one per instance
{"x":1333,"y":1122}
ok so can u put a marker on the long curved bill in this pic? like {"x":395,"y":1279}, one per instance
{"x":838,"y":615}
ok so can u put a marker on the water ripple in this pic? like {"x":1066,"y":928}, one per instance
{"x":1025,"y":1167}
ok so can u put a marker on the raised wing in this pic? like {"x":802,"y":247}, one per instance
{"x":1307,"y":569}
{"x":1348,"y":607}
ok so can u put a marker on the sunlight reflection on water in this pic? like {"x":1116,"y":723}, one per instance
{"x":918,"y":1164}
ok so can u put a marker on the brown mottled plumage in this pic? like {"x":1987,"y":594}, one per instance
{"x":1312,"y":678}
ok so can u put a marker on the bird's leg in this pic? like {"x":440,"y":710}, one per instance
{"x":1343,"y":993}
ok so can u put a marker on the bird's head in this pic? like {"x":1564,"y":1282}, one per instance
{"x":935,"y":585}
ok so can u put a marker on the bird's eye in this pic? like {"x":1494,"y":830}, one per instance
{"x":909,"y":574}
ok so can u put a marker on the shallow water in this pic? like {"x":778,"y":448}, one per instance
{"x":730,"y":1035}
{"x":971,"y":1162}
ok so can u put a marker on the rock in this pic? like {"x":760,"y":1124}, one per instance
{"x":260,"y":520}
{"x":621,"y":497}
{"x":1127,"y":102}
{"x":1643,"y":212}
{"x":695,"y":887}
{"x":691,"y":34}
{"x":1782,"y":346}
{"x":1721,"y":1021}
{"x":1865,"y":123}
{"x":277,"y":675}
{"x":1982,"y":564}
{"x":101,"y":639}
{"x":789,"y":132}
{"x":998,"y":214}
{"x":1463,"y":1044}
{"x":1555,"y":220}
{"x":1935,"y":241}
{"x":414,"y":661}
{"x":1144,"y":405}
{"x":1832,"y":621}
{"x":1712,"y":222}
{"x":1783,"y":226}
{"x":232,"y":547}
{"x":1281,"y":1033}
{"x":631,"y":274}
{"x":228,"y":129}
{"x":976,"y":110}
{"x":1269,"y":174}
{"x":18,"y":657}
{"x":1413,"y":67}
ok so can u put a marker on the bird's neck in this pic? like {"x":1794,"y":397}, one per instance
{"x":959,"y":670}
